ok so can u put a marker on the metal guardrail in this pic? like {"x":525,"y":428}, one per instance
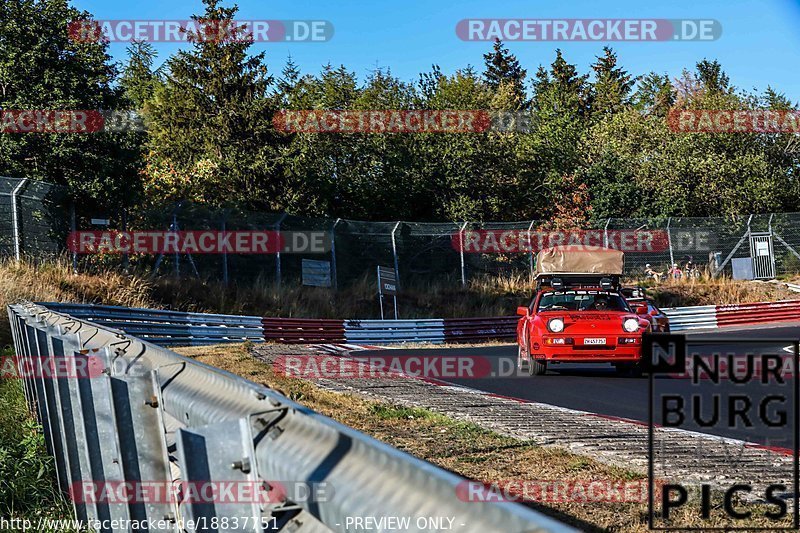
{"x":173,"y":328}
{"x":147,"y":414}
{"x":168,"y":328}
{"x":688,"y":318}
{"x":715,"y":316}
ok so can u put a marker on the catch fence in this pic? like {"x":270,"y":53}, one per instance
{"x":748,"y":247}
{"x":36,"y":220}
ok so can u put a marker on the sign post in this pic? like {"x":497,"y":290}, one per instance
{"x":387,"y":284}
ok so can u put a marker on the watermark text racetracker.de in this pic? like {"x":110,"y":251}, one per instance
{"x":626,"y":240}
{"x":69,"y":121}
{"x":209,"y":30}
{"x":198,"y":242}
{"x":380,"y":121}
{"x":389,"y":366}
{"x":733,"y":121}
{"x":586,"y":491}
{"x":22,"y":367}
{"x":224,"y":492}
{"x":603,"y":30}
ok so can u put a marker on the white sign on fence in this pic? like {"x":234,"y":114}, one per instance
{"x":316,"y":273}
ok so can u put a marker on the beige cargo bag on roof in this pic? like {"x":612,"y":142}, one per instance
{"x":580,"y":260}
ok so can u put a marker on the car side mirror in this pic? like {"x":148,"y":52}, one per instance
{"x":641,"y":310}
{"x":522,"y":311}
{"x":654,"y":312}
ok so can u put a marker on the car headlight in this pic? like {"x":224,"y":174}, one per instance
{"x":630,"y":325}
{"x":556,"y":325}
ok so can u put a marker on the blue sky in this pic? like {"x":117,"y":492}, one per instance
{"x":759,"y":46}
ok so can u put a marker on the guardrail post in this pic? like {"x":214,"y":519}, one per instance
{"x":143,"y":451}
{"x":222,"y":452}
{"x":75,"y":426}
{"x":101,"y":435}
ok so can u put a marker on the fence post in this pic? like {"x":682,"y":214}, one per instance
{"x":334,"y":280}
{"x":177,"y":254}
{"x":463,"y":266}
{"x":224,"y":255}
{"x":530,"y":241}
{"x":73,"y":227}
{"x":125,"y":256}
{"x":669,"y":241}
{"x":15,"y":217}
{"x":278,"y":254}
{"x":394,"y":253}
{"x":605,"y":233}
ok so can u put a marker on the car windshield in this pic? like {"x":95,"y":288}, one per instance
{"x":582,"y":300}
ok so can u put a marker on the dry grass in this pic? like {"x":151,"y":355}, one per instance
{"x":484,"y":296}
{"x":464,"y":448}
{"x":55,"y":282}
{"x":718,"y":291}
{"x":491,"y":296}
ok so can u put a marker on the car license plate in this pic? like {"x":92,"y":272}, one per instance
{"x":594,"y":341}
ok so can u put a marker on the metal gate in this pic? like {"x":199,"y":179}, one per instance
{"x":762,"y":255}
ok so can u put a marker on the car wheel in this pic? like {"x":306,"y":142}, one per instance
{"x":537,"y":367}
{"x":630,"y":370}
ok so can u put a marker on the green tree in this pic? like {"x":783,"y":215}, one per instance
{"x":712,"y":77}
{"x":211,"y":136}
{"x":561,"y":106}
{"x":612,"y":86}
{"x":655,"y":95}
{"x":44,"y":67}
{"x":503,"y":69}
{"x":139,"y":77}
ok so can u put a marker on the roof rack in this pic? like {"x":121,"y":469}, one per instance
{"x":571,"y":280}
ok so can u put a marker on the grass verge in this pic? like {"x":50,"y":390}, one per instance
{"x":27,"y":474}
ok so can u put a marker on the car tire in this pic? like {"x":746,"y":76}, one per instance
{"x":537,"y":367}
{"x":629,"y":370}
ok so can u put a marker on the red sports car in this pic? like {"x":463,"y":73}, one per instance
{"x":580,"y":320}
{"x":638,"y":301}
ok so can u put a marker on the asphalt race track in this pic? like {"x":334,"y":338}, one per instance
{"x":596,"y":388}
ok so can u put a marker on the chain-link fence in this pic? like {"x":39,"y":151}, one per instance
{"x":34,"y":218}
{"x":35,"y":221}
{"x":459,"y":251}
